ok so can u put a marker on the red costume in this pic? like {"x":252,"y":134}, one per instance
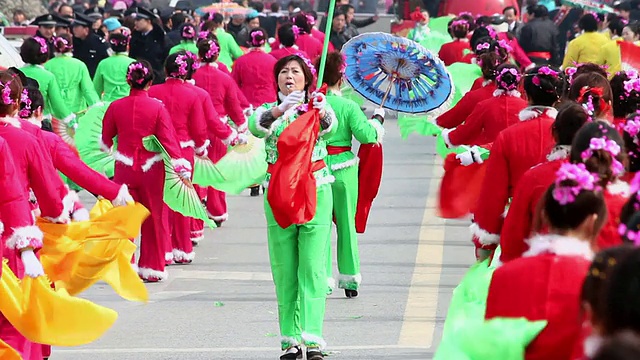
{"x":479,"y":83}
{"x":615,"y":196}
{"x":515,"y":151}
{"x":253,"y":72}
{"x":131,"y":119}
{"x":454,"y":51}
{"x":516,"y":51}
{"x":486,"y":121}
{"x":187,"y":115}
{"x":458,"y":114}
{"x":545,"y":284}
{"x":286,"y":51}
{"x":310,"y":45}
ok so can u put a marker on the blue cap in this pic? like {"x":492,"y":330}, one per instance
{"x":111,"y":24}
{"x":252,"y":14}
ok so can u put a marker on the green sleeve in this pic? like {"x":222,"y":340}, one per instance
{"x":88,"y":90}
{"x":364,"y":130}
{"x":98,"y":80}
{"x":234,"y":49}
{"x":254,"y":121}
{"x":58,"y":107}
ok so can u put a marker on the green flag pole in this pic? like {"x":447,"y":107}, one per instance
{"x":325,"y":48}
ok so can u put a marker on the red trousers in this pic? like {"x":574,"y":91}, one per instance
{"x":147,"y":189}
{"x":197,"y":226}
{"x":182,"y":248}
{"x":217,"y":200}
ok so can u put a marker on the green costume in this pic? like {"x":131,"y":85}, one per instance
{"x":352,"y":122}
{"x":229,"y":49}
{"x":110,"y":80}
{"x":297,"y":253}
{"x":431,"y":40}
{"x":54,"y":103}
{"x":74,"y":80}
{"x":186,"y":45}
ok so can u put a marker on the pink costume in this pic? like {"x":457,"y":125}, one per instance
{"x":253,"y":72}
{"x":18,"y":232}
{"x":225,"y":97}
{"x":187,"y":116}
{"x":286,"y":51}
{"x":131,"y":119}
{"x":310,"y":45}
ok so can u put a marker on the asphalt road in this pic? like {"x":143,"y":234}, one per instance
{"x":223,"y":305}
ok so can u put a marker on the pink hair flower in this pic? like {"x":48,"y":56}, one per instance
{"x":545,"y":70}
{"x":44,"y":48}
{"x":25,"y":101}
{"x":505,"y":45}
{"x":6,"y":93}
{"x":577,"y":173}
{"x":213,"y":50}
{"x":296,"y":31}
{"x":482,"y":46}
{"x":307,"y":62}
{"x":135,"y":67}
{"x":632,"y":127}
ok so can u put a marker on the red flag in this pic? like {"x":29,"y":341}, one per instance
{"x":369,"y":178}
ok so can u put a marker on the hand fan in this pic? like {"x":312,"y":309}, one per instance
{"x":630,"y":56}
{"x":66,"y":133}
{"x":87,"y":139}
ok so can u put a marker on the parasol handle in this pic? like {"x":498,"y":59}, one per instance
{"x":386,"y":94}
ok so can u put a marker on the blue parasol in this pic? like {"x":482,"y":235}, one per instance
{"x":396,"y":73}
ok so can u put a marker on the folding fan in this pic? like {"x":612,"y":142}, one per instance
{"x":87,"y":139}
{"x":179,"y":194}
{"x":66,"y":133}
{"x":630,"y":56}
{"x":243,"y":166}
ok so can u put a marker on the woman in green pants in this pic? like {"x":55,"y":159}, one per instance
{"x":352,"y":122}
{"x":297,"y":248}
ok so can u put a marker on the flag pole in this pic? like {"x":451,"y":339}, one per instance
{"x":325,"y":48}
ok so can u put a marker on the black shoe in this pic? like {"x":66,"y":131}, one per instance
{"x":292,"y":355}
{"x":194,"y":244}
{"x":314,"y":354}
{"x":255,"y":191}
{"x":218,"y":223}
{"x":351,"y":293}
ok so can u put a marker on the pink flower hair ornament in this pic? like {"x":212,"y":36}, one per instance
{"x":632,"y":126}
{"x":44,"y":48}
{"x":632,"y":85}
{"x":194,"y":60}
{"x":181,"y":61}
{"x":137,"y":67}
{"x":463,"y":23}
{"x":483,"y":46}
{"x":296,"y":31}
{"x":578,"y":173}
{"x":61,"y":44}
{"x":188,"y":32}
{"x":203,"y":35}
{"x":505,"y":85}
{"x":255,"y":40}
{"x":213,"y":50}
{"x":610,"y":146}
{"x":25,"y":101}
{"x":6,"y":93}
{"x":633,"y":236}
{"x":307,"y":62}
{"x":505,"y":45}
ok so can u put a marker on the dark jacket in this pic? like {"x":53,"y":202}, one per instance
{"x":152,"y":48}
{"x":540,"y":35}
{"x":90,"y":51}
{"x":338,"y":39}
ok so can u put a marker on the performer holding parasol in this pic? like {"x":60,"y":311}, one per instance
{"x":352,"y":122}
{"x":298,"y":202}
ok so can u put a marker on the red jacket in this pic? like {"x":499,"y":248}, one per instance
{"x":253,"y":72}
{"x":17,"y":224}
{"x":479,"y":83}
{"x":515,"y":151}
{"x":216,"y":126}
{"x":516,"y":51}
{"x":131,"y":119}
{"x":488,"y":118}
{"x":286,"y":51}
{"x":310,"y":45}
{"x":224,"y":94}
{"x":223,"y":67}
{"x":615,"y":196}
{"x":458,"y":114}
{"x":187,"y":116}
{"x":545,"y":284}
{"x":454,"y":51}
{"x":36,"y":172}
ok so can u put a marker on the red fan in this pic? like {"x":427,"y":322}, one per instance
{"x":369,"y":178}
{"x":65,"y":132}
{"x":630,"y":56}
{"x":460,"y":188}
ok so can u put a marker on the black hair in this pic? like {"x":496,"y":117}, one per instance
{"x":174,"y":67}
{"x":621,"y":311}
{"x":547,"y":89}
{"x":339,"y":13}
{"x":257,"y":5}
{"x":588,"y":22}
{"x":258,"y":37}
{"x":177,"y":19}
{"x":12,"y":81}
{"x":616,"y":26}
{"x":308,"y":75}
{"x":275,"y":7}
{"x":623,"y":103}
{"x":483,"y":21}
{"x":571,"y":117}
{"x":601,"y":162}
{"x":506,"y":79}
{"x":301,"y":21}
{"x":632,"y":142}
{"x":592,"y":90}
{"x":515,"y":11}
{"x":286,"y":35}
{"x":622,"y":346}
{"x":119,"y":42}
{"x":63,"y":43}
{"x":333,"y":65}
{"x":139,"y":74}
{"x":34,"y":52}
{"x":204,"y":45}
{"x":346,"y":7}
{"x":479,"y":35}
{"x":460,"y":30}
{"x":470,"y":20}
{"x":540,"y":11}
{"x":36,"y":101}
{"x":587,"y":68}
{"x":630,"y":220}
{"x":634,"y":27}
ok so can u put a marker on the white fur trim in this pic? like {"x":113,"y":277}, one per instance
{"x":309,"y":338}
{"x":349,"y":279}
{"x":331,"y":283}
{"x":505,"y":212}
{"x":533,"y":112}
{"x":224,"y":119}
{"x":118,"y":156}
{"x":560,"y":152}
{"x":379,"y":130}
{"x":197,"y":239}
{"x":146,"y":273}
{"x":23,"y":237}
{"x":179,"y":255}
{"x":181,"y":162}
{"x":619,"y":188}
{"x":486,"y":82}
{"x":289,"y":341}
{"x":68,"y":203}
{"x":168,"y":256}
{"x":558,"y":245}
{"x":69,"y":118}
{"x":103,"y":146}
{"x":223,"y":217}
{"x":334,"y":121}
{"x":214,"y":64}
{"x":191,"y":81}
{"x":500,"y":92}
{"x":80,"y":215}
{"x":345,"y":164}
{"x":135,"y":267}
{"x":187,"y":144}
{"x":11,"y":121}
{"x":445,"y":136}
{"x":325,"y":180}
{"x":151,"y":161}
{"x":258,"y":115}
{"x":1,"y":228}
{"x":485,"y":237}
{"x":201,"y":149}
{"x":591,"y":345}
{"x":230,"y":138}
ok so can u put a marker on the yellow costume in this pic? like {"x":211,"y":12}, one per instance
{"x":610,"y":57}
{"x":585,"y":49}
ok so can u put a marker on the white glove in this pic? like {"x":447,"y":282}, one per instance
{"x":248,"y":111}
{"x":470,"y":156}
{"x":185,"y":175}
{"x":379,"y":111}
{"x":203,"y":153}
{"x":32,"y":266}
{"x":242,"y":139}
{"x":80,"y":215}
{"x":292,"y":99}
{"x":319,"y":101}
{"x":123,"y":198}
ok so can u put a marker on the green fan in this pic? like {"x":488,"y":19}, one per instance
{"x":87,"y":139}
{"x":243,"y":166}
{"x":420,"y":124}
{"x":440,"y":25}
{"x":463,"y":75}
{"x":179,"y":194}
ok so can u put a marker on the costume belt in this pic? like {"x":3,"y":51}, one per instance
{"x":335,"y":150}
{"x":539,"y":54}
{"x":315,"y":166}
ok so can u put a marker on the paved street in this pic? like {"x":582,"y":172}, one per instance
{"x":223,"y":305}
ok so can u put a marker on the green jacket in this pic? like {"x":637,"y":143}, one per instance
{"x":270,"y":136}
{"x":352,"y":122}
{"x":110,"y":80}
{"x":229,"y":49}
{"x":75,"y":83}
{"x":185,"y":45}
{"x":54,"y":103}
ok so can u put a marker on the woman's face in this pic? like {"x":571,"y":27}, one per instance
{"x":291,"y":78}
{"x":254,"y":23}
{"x":628,"y":35}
